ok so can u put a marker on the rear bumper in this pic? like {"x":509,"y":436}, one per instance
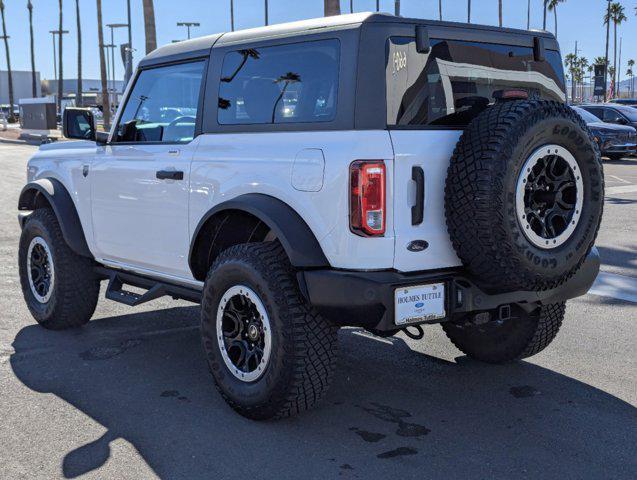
{"x":366,"y":299}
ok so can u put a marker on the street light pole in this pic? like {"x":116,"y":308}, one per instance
{"x":266,"y":12}
{"x":129,"y":52}
{"x":55,"y":62}
{"x":188,"y":25}
{"x":113,"y":26}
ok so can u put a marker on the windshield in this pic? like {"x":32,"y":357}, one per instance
{"x":628,"y":112}
{"x":588,"y":117}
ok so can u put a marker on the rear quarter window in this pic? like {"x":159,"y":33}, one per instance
{"x":456,"y":80}
{"x":294,"y":83}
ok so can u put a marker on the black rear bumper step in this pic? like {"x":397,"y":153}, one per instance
{"x":154,"y":288}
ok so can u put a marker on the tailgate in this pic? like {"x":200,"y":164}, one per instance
{"x":429,"y":150}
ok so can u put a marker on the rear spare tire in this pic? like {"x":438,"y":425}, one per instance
{"x":524,"y":195}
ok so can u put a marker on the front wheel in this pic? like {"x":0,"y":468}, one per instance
{"x":59,"y":286}
{"x":271,"y":355}
{"x":521,"y":336}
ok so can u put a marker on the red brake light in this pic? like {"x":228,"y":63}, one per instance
{"x":367,"y":197}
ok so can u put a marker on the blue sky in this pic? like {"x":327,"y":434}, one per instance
{"x":577,"y":20}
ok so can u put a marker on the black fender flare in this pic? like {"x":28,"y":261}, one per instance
{"x":296,"y":237}
{"x":62,"y":204}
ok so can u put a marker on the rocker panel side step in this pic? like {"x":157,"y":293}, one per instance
{"x":154,"y":288}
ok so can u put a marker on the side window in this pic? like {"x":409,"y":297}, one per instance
{"x":280,"y":84}
{"x":162,"y":107}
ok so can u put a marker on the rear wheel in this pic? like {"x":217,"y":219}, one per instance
{"x":614,"y":157}
{"x":270,"y":353}
{"x":521,"y":336}
{"x":59,"y":286}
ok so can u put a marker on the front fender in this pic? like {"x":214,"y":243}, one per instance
{"x":58,"y":197}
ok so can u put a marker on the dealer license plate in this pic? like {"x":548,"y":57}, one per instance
{"x":419,"y":303}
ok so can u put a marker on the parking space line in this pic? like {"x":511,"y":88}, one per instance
{"x":621,"y":189}
{"x":619,"y":179}
{"x":616,"y":286}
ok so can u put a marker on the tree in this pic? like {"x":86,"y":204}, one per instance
{"x":629,"y":74}
{"x":552,"y":7}
{"x":149,"y":26}
{"x":79,"y":98}
{"x":106,"y":109}
{"x":34,"y":87}
{"x":500,"y":12}
{"x":9,"y":74}
{"x":571,"y":61}
{"x":331,"y":7}
{"x":544,"y":4}
{"x":617,"y":16}
{"x":631,"y":64}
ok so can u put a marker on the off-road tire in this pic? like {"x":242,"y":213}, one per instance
{"x":520,"y":337}
{"x":480,"y":195}
{"x":76,"y":287}
{"x":304,"y":345}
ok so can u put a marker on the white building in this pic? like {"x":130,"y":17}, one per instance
{"x":21,"y":85}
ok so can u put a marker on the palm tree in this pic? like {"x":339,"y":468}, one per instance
{"x":552,"y":6}
{"x":617,"y":16}
{"x":631,"y":64}
{"x":9,"y":74}
{"x":232,"y":15}
{"x":331,"y":7}
{"x":545,"y":3}
{"x":570,"y":62}
{"x":60,"y":74}
{"x":149,"y":25}
{"x":79,"y":99}
{"x":500,"y":12}
{"x":106,"y":109}
{"x":34,"y":88}
{"x":629,"y":74}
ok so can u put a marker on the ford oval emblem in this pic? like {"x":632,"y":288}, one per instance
{"x":417,"y":246}
{"x":419,"y":304}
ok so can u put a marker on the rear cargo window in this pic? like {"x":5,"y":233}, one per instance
{"x":456,"y":80}
{"x":280,"y":84}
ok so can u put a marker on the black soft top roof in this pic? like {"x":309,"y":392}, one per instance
{"x":200,"y":47}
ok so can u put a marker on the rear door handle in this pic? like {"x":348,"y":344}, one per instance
{"x":169,"y":175}
{"x":418,"y":210}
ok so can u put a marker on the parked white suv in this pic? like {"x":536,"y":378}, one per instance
{"x":361,"y":170}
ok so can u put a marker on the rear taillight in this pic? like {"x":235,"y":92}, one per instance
{"x":367,"y":197}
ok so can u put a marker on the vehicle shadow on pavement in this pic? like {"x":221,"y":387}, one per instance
{"x":392,"y":412}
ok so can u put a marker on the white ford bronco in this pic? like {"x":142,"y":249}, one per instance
{"x":363,"y":170}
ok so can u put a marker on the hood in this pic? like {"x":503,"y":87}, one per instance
{"x":611,"y":126}
{"x":67,"y":145}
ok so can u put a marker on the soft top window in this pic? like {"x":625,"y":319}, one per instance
{"x":457,"y":80}
{"x":280,"y":84}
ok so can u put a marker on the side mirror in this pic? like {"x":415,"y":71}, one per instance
{"x":622,"y":121}
{"x":78,"y":123}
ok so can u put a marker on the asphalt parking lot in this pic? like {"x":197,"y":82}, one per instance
{"x":129,"y":395}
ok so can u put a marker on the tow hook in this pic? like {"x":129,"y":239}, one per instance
{"x":417,"y":335}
